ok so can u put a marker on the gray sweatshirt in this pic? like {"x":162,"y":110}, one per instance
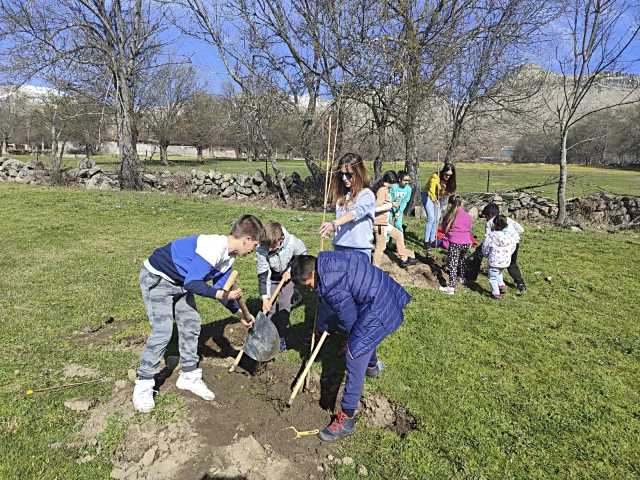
{"x":357,"y":233}
{"x":271,"y":266}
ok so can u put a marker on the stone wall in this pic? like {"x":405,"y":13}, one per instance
{"x":622,"y":211}
{"x":518,"y":205}
{"x":602,"y":210}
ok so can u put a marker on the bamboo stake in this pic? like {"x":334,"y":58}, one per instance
{"x":303,"y":376}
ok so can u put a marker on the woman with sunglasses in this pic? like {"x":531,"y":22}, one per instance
{"x":439,"y":187}
{"x":355,"y":206}
{"x":400,"y":195}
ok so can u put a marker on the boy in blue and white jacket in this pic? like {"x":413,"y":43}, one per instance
{"x":169,"y":279}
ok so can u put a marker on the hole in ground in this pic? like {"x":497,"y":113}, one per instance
{"x":380,"y":412}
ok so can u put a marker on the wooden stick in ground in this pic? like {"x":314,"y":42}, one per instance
{"x":276,"y":292}
{"x":330,"y":159}
{"x":305,"y":372}
{"x":68,"y":385}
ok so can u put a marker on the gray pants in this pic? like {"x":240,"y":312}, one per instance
{"x":281,"y":309}
{"x":166,"y":303}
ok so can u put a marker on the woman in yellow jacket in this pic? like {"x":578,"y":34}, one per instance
{"x":439,"y":186}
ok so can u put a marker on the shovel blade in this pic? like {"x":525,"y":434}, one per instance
{"x":263,"y":342}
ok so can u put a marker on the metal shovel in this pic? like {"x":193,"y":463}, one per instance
{"x":263,"y":341}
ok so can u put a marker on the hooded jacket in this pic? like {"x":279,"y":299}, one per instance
{"x":271,"y":266}
{"x":367,"y":301}
{"x":498,"y":246}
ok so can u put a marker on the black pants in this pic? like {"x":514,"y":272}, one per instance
{"x":475,"y":261}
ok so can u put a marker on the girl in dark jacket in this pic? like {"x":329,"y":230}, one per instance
{"x":369,"y":306}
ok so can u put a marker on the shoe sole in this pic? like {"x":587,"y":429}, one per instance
{"x":187,"y":390}
{"x":332,"y":439}
{"x":143,"y":410}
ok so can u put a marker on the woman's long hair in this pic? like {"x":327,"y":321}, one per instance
{"x":359,"y":180}
{"x":450,"y":184}
{"x":387,"y":177}
{"x":455,"y":202}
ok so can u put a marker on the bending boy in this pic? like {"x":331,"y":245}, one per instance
{"x":169,"y":279}
{"x":369,"y":306}
{"x":273,"y":258}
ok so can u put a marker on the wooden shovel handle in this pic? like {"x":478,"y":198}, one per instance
{"x":230,"y":281}
{"x":229,"y":285}
{"x":276,"y":292}
{"x":305,"y":372}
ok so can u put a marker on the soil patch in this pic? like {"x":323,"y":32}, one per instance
{"x":380,"y":412}
{"x":245,"y":432}
{"x":420,"y":275}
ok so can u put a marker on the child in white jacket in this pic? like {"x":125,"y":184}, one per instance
{"x":498,"y":246}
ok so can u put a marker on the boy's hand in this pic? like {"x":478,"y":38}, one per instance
{"x":247,"y":321}
{"x":230,"y":295}
{"x":266,"y":305}
{"x":234,"y":294}
{"x":286,"y":276}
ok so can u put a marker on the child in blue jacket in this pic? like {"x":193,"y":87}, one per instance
{"x":369,"y":306}
{"x":169,"y":279}
{"x":400,"y":196}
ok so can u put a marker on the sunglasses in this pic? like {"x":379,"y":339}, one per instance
{"x":344,"y":175}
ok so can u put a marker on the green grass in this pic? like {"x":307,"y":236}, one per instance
{"x":542,"y":386}
{"x":472,"y":177}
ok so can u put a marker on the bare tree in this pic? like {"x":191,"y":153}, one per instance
{"x":13,"y":114}
{"x":203,"y":122}
{"x":94,"y":37}
{"x":487,"y":79}
{"x":166,"y":96}
{"x":599,"y":33}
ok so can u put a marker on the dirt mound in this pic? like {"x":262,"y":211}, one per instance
{"x":419,"y":275}
{"x":380,"y":412}
{"x":73,"y":370}
{"x":246,"y":458}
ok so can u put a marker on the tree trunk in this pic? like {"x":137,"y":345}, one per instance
{"x":562,"y":181}
{"x":276,"y":169}
{"x":55,"y":165}
{"x":199,"y":149}
{"x":452,"y":144}
{"x":411,"y":164}
{"x":130,"y":176}
{"x":382,"y":147}
{"x":4,"y":145}
{"x":305,"y":136}
{"x":164,"y":159}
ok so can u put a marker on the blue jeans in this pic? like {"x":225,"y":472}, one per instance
{"x":433,"y":214}
{"x":495,"y":279}
{"x":340,"y":248}
{"x":356,"y":370}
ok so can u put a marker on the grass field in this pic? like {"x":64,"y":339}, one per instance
{"x":540,"y":386}
{"x":471,"y":177}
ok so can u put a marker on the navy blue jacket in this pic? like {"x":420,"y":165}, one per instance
{"x":367,"y":301}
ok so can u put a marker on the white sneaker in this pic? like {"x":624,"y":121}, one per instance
{"x":192,"y":381}
{"x":143,"y":395}
{"x":448,"y":290}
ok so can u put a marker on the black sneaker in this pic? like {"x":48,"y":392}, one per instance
{"x":407,"y":262}
{"x":522,"y":289}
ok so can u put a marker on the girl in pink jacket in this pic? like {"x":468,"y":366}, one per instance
{"x":456,"y":225}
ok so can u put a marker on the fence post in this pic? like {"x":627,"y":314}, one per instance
{"x":488,"y":179}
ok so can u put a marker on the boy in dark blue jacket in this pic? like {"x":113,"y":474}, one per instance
{"x":169,"y":279}
{"x":369,"y":306}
